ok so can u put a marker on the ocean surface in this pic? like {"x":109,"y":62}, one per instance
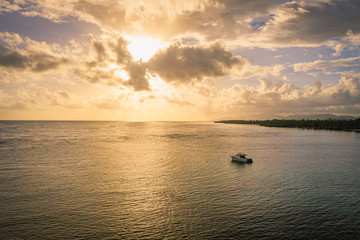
{"x":175,"y":180}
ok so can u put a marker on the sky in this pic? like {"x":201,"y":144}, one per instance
{"x":178,"y":60}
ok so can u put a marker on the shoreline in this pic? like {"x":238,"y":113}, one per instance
{"x":328,"y":124}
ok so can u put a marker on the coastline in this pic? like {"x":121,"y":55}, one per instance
{"x":328,"y":124}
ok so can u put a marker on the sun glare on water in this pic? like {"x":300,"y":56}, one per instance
{"x":143,"y":47}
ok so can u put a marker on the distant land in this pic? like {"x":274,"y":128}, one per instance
{"x":321,"y":117}
{"x":325,"y":124}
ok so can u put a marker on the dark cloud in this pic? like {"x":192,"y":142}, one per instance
{"x":12,"y":59}
{"x":122,"y":53}
{"x":272,"y":21}
{"x":137,"y":76}
{"x":44,"y":62}
{"x":100,"y":50}
{"x":35,"y":61}
{"x":176,"y":63}
{"x":315,"y":22}
{"x":275,"y":22}
{"x":184,"y":63}
{"x":278,"y":23}
{"x":98,"y":76}
{"x":96,"y":72}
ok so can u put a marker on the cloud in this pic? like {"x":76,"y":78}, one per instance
{"x":35,"y":61}
{"x":179,"y":63}
{"x":110,"y":57}
{"x":112,"y":102}
{"x":11,"y":39}
{"x":14,"y":106}
{"x":228,"y":19}
{"x":284,"y":98}
{"x":108,"y":14}
{"x":176,"y":64}
{"x":123,"y":55}
{"x":248,"y":71}
{"x":98,"y":76}
{"x":10,"y":58}
{"x":347,"y":91}
{"x":351,"y":40}
{"x":31,"y":98}
{"x":100,"y":51}
{"x":298,"y":23}
{"x":138,"y":78}
{"x":55,"y":11}
{"x":6,"y":6}
{"x":178,"y":101}
{"x":265,"y":23}
{"x":58,"y":98}
{"x":321,"y":64}
{"x":25,"y":54}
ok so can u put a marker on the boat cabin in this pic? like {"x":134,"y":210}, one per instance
{"x":242,"y":155}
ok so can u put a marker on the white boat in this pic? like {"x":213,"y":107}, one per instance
{"x":241,"y":157}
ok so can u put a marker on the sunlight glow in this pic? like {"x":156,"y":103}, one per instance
{"x":113,"y":66}
{"x":121,"y":74}
{"x":143,"y":47}
{"x":118,"y":71}
{"x":157,"y":84}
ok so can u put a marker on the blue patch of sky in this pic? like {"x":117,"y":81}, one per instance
{"x":41,"y":29}
{"x":255,"y":25}
{"x":259,"y":22}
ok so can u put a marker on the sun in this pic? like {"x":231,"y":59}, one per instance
{"x":143,"y":47}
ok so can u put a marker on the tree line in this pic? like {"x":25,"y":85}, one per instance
{"x":330,"y":124}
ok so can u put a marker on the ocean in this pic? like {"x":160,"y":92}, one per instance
{"x":175,"y":180}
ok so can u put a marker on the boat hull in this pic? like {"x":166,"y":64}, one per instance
{"x":241,"y":160}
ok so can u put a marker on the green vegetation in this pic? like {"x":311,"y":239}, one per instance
{"x":330,"y":124}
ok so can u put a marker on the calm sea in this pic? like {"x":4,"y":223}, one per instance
{"x":175,"y":180}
